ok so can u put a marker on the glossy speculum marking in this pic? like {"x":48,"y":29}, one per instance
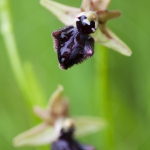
{"x":74,"y":44}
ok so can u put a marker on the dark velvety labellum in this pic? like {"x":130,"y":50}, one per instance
{"x":69,"y":145}
{"x":72,"y":46}
{"x":67,"y":142}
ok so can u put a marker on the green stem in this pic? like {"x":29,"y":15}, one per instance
{"x":103,"y":102}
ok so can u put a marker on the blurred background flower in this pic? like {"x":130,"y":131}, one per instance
{"x":128,"y":76}
{"x":57,"y":128}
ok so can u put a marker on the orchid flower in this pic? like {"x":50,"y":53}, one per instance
{"x":101,"y":34}
{"x":55,"y":118}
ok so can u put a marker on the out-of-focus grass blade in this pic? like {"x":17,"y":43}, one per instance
{"x":36,"y":93}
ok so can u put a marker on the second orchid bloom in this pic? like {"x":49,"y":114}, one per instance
{"x":58,"y":127}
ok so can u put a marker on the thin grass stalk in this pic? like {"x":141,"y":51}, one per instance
{"x":103,"y":103}
{"x":14,"y":58}
{"x":25,"y":78}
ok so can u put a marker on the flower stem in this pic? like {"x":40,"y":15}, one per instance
{"x":103,"y":102}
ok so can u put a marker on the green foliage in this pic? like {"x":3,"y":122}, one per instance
{"x":129,"y":82}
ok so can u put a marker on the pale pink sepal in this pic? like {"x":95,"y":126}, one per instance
{"x":66,"y":14}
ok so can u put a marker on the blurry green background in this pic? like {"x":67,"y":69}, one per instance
{"x":129,"y":77}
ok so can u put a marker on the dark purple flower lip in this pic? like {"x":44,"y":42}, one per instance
{"x":66,"y":141}
{"x":72,"y":46}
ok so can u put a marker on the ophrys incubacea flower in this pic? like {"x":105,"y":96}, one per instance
{"x":57,"y":124}
{"x":75,"y":42}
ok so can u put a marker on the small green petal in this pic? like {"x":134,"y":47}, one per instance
{"x":88,"y":125}
{"x":106,"y":37}
{"x":102,"y":4}
{"x":43,"y":114}
{"x":64,"y":13}
{"x":39,"y":135}
{"x":55,"y":97}
{"x":94,"y":5}
{"x":58,"y":106}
